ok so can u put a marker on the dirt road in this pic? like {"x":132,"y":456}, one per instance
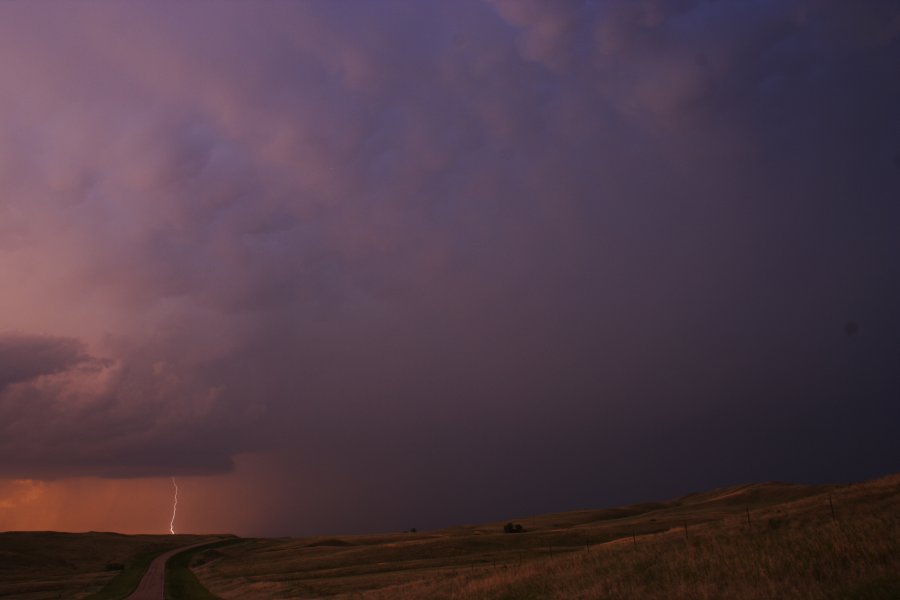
{"x":153,"y":584}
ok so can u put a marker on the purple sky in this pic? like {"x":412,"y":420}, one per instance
{"x":432,"y":262}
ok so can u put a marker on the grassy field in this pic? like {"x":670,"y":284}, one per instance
{"x":766,"y":540}
{"x":754,"y":541}
{"x":89,"y":566}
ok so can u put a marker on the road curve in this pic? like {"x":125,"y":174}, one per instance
{"x":153,"y":584}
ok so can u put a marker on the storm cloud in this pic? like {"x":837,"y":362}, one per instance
{"x":419,"y":249}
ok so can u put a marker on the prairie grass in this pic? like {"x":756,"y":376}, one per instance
{"x":700,"y":546}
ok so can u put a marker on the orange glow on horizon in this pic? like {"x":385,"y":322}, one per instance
{"x":214,"y":504}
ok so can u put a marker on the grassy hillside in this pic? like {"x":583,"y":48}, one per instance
{"x":51,"y":565}
{"x":754,"y":541}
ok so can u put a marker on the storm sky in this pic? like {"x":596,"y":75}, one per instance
{"x":370,"y":265}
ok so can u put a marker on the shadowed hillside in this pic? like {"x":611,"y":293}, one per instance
{"x":44,"y":565}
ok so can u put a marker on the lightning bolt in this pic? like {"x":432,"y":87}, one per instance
{"x":174,"y":508}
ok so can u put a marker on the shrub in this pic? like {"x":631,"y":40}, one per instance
{"x":513,"y":528}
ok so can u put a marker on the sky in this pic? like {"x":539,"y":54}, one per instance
{"x":345,"y":267}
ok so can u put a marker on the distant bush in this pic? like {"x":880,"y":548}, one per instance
{"x":513,"y":528}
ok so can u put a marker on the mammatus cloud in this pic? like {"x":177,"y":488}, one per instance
{"x":364,"y":233}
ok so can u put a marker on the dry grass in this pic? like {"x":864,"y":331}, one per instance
{"x":794,"y":548}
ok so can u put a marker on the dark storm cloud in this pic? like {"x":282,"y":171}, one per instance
{"x":24,"y":357}
{"x":454,"y":243}
{"x":63,"y":412}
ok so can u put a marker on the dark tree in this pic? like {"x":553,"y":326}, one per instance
{"x":513,"y":528}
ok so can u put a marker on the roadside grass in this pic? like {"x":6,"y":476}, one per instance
{"x":181,"y":583}
{"x":802,"y":542}
{"x":122,"y":585}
